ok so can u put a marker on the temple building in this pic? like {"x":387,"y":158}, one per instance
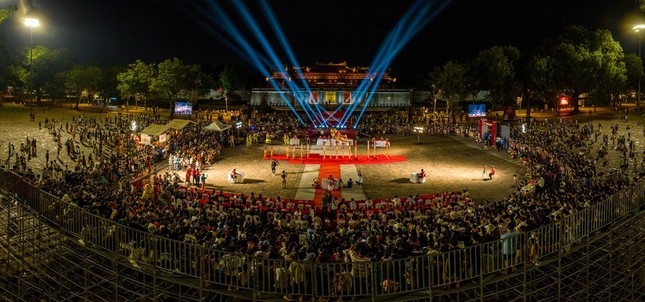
{"x":331,"y":85}
{"x":331,"y":75}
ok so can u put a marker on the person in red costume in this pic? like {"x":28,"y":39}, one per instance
{"x":421,"y":175}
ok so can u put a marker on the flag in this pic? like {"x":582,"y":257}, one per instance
{"x":347,"y":97}
{"x":313,"y":97}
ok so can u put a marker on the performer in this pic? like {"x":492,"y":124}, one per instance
{"x":233,"y":174}
{"x":274,"y":164}
{"x":492,"y":172}
{"x":330,"y":183}
{"x":421,"y":175}
{"x":283,"y":175}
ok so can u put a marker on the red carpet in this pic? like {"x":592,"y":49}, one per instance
{"x":361,"y":159}
{"x":326,"y":169}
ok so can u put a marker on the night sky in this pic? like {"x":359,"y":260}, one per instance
{"x":121,"y":31}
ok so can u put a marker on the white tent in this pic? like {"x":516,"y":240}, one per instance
{"x":178,"y":124}
{"x":155,"y":130}
{"x":218,"y":126}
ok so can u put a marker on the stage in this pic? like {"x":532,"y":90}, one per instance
{"x":325,"y":132}
{"x":379,"y":159}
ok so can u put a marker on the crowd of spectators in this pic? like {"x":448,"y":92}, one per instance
{"x":562,"y":170}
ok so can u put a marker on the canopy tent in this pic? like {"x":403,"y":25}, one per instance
{"x":155,"y":130}
{"x":178,"y":124}
{"x":217,"y":126}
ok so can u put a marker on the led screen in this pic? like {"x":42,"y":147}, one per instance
{"x":183,"y":108}
{"x":476,"y":110}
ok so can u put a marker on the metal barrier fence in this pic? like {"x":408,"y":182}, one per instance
{"x":424,"y":274}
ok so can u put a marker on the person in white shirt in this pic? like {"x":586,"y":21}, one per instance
{"x":396,"y":201}
{"x":334,"y":206}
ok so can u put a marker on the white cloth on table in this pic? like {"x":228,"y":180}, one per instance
{"x":414,"y":177}
{"x":238,"y":178}
{"x":380,"y":143}
{"x":330,"y":184}
{"x":327,"y":142}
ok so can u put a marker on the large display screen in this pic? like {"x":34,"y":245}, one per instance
{"x":476,"y":110}
{"x":183,"y":108}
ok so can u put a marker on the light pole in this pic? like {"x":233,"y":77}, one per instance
{"x":418,"y":130}
{"x":638,"y":28}
{"x":31,"y":23}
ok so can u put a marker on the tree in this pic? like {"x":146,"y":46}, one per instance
{"x":634,"y":70}
{"x":233,"y":78}
{"x":452,"y":80}
{"x":40,"y":69}
{"x":171,"y":78}
{"x":539,"y":73}
{"x":5,"y":13}
{"x":83,"y":82}
{"x":198,"y":83}
{"x":5,"y":55}
{"x":135,"y":81}
{"x":494,"y":70}
{"x":641,"y":4}
{"x":109,"y":83}
{"x":581,"y":61}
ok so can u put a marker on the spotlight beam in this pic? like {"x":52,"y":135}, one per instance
{"x":261,"y":38}
{"x":251,"y":55}
{"x":277,"y":30}
{"x":379,"y":59}
{"x":248,"y":50}
{"x":394,"y":43}
{"x":387,"y":45}
{"x":224,"y":40}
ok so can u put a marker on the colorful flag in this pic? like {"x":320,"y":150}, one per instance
{"x":313,"y":97}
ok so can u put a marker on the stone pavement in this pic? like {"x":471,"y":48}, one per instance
{"x":451,"y":164}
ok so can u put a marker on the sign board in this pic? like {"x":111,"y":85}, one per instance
{"x":145,"y":139}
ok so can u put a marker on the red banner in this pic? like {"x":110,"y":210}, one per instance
{"x":347,"y":97}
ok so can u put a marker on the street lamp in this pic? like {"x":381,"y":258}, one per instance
{"x":31,"y":23}
{"x":638,"y":28}
{"x":418,"y":130}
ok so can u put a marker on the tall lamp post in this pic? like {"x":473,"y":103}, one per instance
{"x":31,"y":23}
{"x":418,"y":130}
{"x":638,"y":28}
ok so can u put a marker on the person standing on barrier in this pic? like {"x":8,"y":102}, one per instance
{"x":231,"y":265}
{"x":534,"y":249}
{"x":509,"y":246}
{"x":360,"y":269}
